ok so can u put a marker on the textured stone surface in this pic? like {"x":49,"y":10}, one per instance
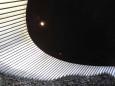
{"x":97,"y":80}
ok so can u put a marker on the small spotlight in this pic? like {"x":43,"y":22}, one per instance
{"x":42,"y":23}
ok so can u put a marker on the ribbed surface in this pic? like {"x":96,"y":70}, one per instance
{"x":21,"y":57}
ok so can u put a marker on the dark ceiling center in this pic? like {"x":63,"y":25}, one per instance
{"x":73,"y":30}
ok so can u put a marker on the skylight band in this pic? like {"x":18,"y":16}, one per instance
{"x":12,"y":22}
{"x":8,"y":5}
{"x":12,"y":29}
{"x":24,"y":32}
{"x":12,"y":25}
{"x":22,"y":28}
{"x":10,"y":1}
{"x":12,"y":14}
{"x":13,"y":9}
{"x":13,"y":41}
{"x":14,"y":47}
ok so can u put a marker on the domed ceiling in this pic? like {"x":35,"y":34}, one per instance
{"x":19,"y":54}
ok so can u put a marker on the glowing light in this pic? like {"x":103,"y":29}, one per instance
{"x":42,"y":23}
